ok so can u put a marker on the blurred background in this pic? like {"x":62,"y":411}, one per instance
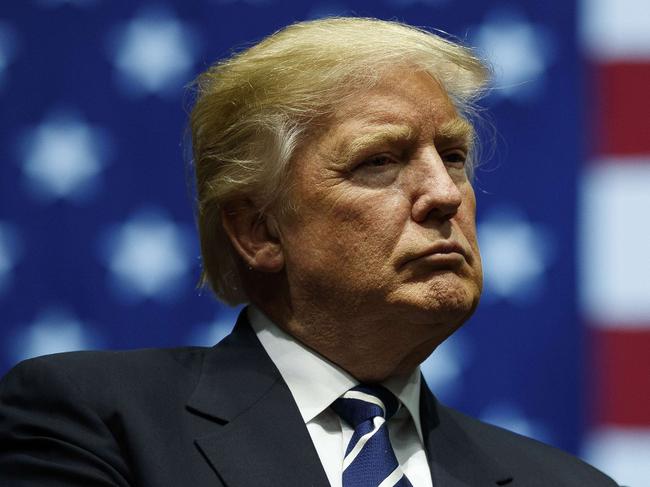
{"x":97,"y":241}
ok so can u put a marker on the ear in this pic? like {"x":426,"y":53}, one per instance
{"x":254,"y":236}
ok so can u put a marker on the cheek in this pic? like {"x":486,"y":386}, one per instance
{"x":375,"y":220}
{"x":467,"y":215}
{"x":356,"y":227}
{"x":467,"y":222}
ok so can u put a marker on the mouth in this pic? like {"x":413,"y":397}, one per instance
{"x":443,"y":254}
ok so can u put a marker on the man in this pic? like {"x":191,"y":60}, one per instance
{"x":333,"y":163}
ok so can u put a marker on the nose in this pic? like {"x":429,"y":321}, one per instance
{"x":436,"y":195}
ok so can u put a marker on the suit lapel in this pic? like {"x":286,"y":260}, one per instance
{"x":454,"y":458}
{"x":263,"y":439}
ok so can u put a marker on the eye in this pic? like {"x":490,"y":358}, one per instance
{"x":455,"y":157}
{"x":378,"y":170}
{"x":379,"y":160}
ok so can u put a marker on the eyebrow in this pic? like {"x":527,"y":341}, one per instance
{"x":380,"y":135}
{"x":456,"y":130}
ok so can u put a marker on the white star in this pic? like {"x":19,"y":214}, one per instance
{"x":9,"y":253}
{"x":53,"y":331}
{"x":147,"y":256}
{"x":7,"y":47}
{"x":154,"y":53}
{"x":328,"y":9}
{"x":250,"y":2}
{"x":63,"y":157}
{"x":515,"y":255}
{"x":208,"y":334}
{"x":519,"y":51}
{"x":511,"y":417}
{"x":408,"y":3}
{"x":58,"y":3}
{"x":444,"y":367}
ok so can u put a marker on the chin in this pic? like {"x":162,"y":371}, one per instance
{"x":439,"y":303}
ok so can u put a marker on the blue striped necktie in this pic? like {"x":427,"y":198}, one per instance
{"x":369,"y":459}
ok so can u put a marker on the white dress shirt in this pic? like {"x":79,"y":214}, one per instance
{"x":316,"y":383}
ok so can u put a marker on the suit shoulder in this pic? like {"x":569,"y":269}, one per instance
{"x":139,"y":357}
{"x":101,"y":362}
{"x":519,"y":452}
{"x":103,"y":374}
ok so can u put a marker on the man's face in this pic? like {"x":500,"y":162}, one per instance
{"x":385,"y":214}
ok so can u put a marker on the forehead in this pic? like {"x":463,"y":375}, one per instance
{"x":399,"y":96}
{"x":401,"y":106}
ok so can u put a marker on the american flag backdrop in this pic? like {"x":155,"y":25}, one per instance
{"x":98,"y":247}
{"x":614,"y":236}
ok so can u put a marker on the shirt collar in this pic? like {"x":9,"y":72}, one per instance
{"x":314,"y":381}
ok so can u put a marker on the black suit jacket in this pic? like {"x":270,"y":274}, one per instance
{"x":205,"y":417}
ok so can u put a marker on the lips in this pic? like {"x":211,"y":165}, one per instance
{"x":440,"y":248}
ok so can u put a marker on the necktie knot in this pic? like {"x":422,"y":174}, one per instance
{"x":365,"y":402}
{"x":369,"y":459}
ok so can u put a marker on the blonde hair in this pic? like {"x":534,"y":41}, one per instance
{"x":255,"y":108}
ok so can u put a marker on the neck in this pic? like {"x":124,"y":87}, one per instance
{"x":368,"y":348}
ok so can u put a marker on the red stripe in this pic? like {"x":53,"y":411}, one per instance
{"x":622,"y":108}
{"x":621,"y":376}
